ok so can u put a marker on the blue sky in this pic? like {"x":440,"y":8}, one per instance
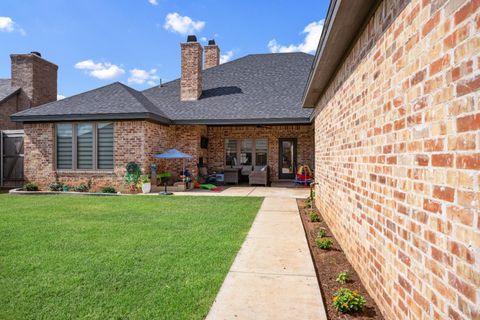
{"x":137,"y":41}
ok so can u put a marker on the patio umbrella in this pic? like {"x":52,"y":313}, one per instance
{"x":173,"y":154}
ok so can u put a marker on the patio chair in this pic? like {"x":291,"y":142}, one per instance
{"x":259,"y":175}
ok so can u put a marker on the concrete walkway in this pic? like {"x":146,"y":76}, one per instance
{"x":272,"y":276}
{"x":250,"y":191}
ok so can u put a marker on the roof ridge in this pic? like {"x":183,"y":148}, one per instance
{"x":149,"y":106}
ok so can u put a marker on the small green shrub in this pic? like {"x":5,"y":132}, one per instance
{"x":83,"y":187}
{"x":109,"y":190}
{"x":56,"y":185}
{"x":343,"y":277}
{"x":308,"y":203}
{"x":314,"y":216}
{"x":347,"y":301}
{"x":322,"y":233}
{"x":324,"y":243}
{"x":30,"y":187}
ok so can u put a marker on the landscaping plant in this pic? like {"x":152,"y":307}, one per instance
{"x":324,"y":243}
{"x":322,"y":233}
{"x":132,"y":176}
{"x":314,"y":216}
{"x":308,"y":203}
{"x":347,"y":301}
{"x":30,"y":187}
{"x":56,"y":185}
{"x":143,"y":179}
{"x":109,"y":190}
{"x":84,"y":187}
{"x":343,"y":277}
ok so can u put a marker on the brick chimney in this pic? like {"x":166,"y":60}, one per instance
{"x":212,"y":55}
{"x":191,"y":77}
{"x":36,"y":76}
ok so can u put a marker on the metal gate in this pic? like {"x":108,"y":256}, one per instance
{"x":11,"y":158}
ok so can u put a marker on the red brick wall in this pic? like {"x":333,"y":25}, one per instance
{"x":397,"y":153}
{"x":36,"y":76}
{"x":303,"y":133}
{"x":136,"y":141}
{"x":191,"y":71}
{"x":7,"y":108}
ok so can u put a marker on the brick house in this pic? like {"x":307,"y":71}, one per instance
{"x":245,"y":113}
{"x":395,"y":89}
{"x":33,"y":82}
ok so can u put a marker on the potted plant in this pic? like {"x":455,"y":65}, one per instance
{"x":145,"y":183}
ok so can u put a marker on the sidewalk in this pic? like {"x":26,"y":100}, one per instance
{"x":272,"y":276}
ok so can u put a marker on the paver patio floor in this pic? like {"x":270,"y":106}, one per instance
{"x":272,"y":276}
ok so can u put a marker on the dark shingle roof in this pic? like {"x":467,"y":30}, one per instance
{"x":114,"y":101}
{"x":6,"y":89}
{"x":261,"y":88}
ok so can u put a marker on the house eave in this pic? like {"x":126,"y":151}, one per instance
{"x":265,"y":121}
{"x":156,"y":118}
{"x":344,"y":22}
{"x":91,"y":117}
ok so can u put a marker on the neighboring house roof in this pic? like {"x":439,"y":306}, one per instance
{"x":6,"y":89}
{"x":345,"y":20}
{"x":255,"y":89}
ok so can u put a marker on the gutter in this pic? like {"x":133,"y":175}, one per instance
{"x":345,"y":22}
{"x":156,"y":118}
{"x":91,"y":117}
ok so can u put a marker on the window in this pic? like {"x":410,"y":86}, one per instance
{"x":261,"y":152}
{"x":231,"y":152}
{"x":84,"y":146}
{"x":105,"y":146}
{"x":246,"y":152}
{"x":64,"y":146}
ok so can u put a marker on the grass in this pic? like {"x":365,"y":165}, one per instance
{"x":135,"y":257}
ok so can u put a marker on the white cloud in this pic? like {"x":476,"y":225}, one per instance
{"x":203,"y":39}
{"x":313,"y":32}
{"x":182,"y":24}
{"x":139,"y":76}
{"x":8,"y":25}
{"x":226,"y":57}
{"x":153,"y":2}
{"x":60,"y":97}
{"x":100,"y":70}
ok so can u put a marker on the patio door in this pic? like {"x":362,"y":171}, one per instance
{"x":287,"y":158}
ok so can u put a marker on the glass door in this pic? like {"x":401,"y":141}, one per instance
{"x":287,"y":160}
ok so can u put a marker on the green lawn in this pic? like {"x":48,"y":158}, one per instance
{"x":135,"y":257}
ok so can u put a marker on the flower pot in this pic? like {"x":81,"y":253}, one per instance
{"x":146,"y":187}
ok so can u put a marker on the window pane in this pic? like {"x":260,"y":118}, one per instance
{"x":105,"y":145}
{"x":231,"y":152}
{"x":261,"y":147}
{"x":64,"y":146}
{"x":246,"y":152}
{"x":85,"y":146}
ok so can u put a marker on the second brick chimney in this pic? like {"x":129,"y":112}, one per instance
{"x":191,"y":74}
{"x":212,"y":55}
{"x":36,"y":76}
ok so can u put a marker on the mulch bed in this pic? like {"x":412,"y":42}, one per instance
{"x":328,"y":264}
